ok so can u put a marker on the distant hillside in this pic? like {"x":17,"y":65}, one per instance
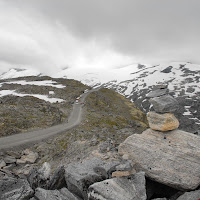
{"x":134,"y":81}
{"x":36,"y":102}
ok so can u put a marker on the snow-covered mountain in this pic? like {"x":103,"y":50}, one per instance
{"x":18,"y":72}
{"x":135,"y":80}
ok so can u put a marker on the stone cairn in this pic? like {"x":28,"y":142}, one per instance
{"x":162,"y":119}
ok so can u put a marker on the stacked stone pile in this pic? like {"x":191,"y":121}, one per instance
{"x":164,"y":105}
{"x":166,"y":154}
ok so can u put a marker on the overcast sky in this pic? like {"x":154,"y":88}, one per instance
{"x":51,"y":34}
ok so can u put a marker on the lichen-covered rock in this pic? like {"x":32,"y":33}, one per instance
{"x":119,"y":189}
{"x":194,"y":195}
{"x":13,"y":188}
{"x":164,"y":104}
{"x":162,"y":122}
{"x":172,"y":159}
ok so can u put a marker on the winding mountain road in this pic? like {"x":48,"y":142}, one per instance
{"x":25,"y":139}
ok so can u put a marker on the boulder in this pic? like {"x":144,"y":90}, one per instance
{"x":39,"y":177}
{"x":132,"y":188}
{"x":79,"y":176}
{"x":157,"y":93}
{"x":163,"y":104}
{"x":13,"y":188}
{"x":194,"y":195}
{"x":57,"y":181}
{"x":162,"y":122}
{"x":172,"y":159}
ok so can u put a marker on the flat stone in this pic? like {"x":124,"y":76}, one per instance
{"x":157,"y":93}
{"x":162,"y":122}
{"x":172,"y":159}
{"x":123,"y":173}
{"x":29,"y":157}
{"x":13,"y":188}
{"x":20,"y":161}
{"x":79,"y":176}
{"x":9,"y":159}
{"x":119,"y":189}
{"x":2,"y":164}
{"x":194,"y":195}
{"x":164,"y":104}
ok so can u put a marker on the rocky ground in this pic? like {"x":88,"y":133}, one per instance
{"x":21,"y":114}
{"x":112,"y":150}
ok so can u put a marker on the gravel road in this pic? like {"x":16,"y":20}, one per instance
{"x":25,"y":139}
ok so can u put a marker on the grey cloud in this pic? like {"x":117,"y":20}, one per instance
{"x":150,"y":30}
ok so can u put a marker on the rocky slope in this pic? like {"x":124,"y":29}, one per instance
{"x":183,"y":81}
{"x":35,"y":102}
{"x":93,"y":162}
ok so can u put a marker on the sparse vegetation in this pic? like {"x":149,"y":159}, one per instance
{"x":106,"y":115}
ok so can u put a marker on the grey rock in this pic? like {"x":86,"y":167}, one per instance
{"x":106,"y":146}
{"x":2,"y":164}
{"x":164,"y":104}
{"x":167,"y":70}
{"x":172,"y":159}
{"x":126,"y":166}
{"x":157,"y":93}
{"x":29,"y":156}
{"x":14,"y":154}
{"x":39,"y":177}
{"x":9,"y":166}
{"x":42,"y":194}
{"x":119,"y":188}
{"x":57,"y":181}
{"x":9,"y":159}
{"x":194,"y":195}
{"x":79,"y":176}
{"x":13,"y":188}
{"x":66,"y":193}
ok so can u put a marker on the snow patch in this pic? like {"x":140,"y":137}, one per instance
{"x":39,"y":96}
